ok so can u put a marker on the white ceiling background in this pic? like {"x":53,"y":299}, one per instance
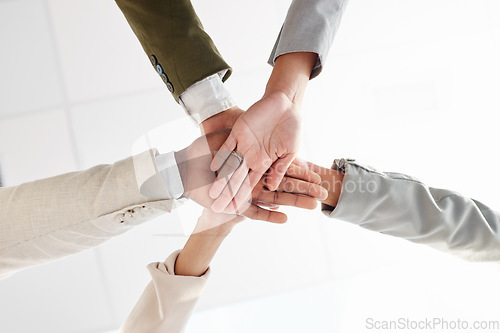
{"x":410,"y":86}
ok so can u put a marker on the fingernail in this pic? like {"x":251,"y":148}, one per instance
{"x":213,"y":166}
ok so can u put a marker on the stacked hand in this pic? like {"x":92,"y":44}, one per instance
{"x":212,"y":228}
{"x":299,"y":188}
{"x":266,"y":136}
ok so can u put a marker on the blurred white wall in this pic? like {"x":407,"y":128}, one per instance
{"x":409,"y":86}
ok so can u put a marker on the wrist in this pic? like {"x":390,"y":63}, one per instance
{"x":332,"y":181}
{"x":216,"y":225}
{"x":221,"y":120}
{"x":291,"y":74}
{"x":215,"y":233}
{"x":194,"y":259}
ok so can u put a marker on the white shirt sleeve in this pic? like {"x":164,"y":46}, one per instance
{"x":169,"y":171}
{"x":202,"y":100}
{"x":206,"y":98}
{"x":166,"y":181}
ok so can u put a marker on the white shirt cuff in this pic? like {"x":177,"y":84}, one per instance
{"x":169,"y":171}
{"x":206,"y":98}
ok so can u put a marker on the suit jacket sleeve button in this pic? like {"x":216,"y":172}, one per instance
{"x":159,"y":69}
{"x":170,"y":87}
{"x":153,"y":60}
{"x":164,"y":78}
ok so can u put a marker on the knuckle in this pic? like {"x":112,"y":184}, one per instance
{"x":275,"y":197}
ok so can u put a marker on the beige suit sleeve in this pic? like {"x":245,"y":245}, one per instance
{"x":167,"y":302}
{"x":47,"y":219}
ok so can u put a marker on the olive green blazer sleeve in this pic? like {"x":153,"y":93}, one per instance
{"x":172,"y":36}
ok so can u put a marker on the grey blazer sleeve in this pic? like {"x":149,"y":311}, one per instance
{"x":402,"y":206}
{"x":310,"y":26}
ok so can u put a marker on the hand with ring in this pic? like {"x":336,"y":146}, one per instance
{"x":197,"y":178}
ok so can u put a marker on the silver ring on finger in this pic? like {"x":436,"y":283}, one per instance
{"x":238,"y":156}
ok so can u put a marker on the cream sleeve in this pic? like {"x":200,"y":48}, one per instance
{"x":167,"y":302}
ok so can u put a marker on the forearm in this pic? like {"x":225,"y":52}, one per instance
{"x":169,"y":300}
{"x":195,"y":257}
{"x":291,"y":74}
{"x":224,"y":119}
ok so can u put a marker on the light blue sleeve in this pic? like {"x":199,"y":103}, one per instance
{"x":310,"y":26}
{"x":402,"y":206}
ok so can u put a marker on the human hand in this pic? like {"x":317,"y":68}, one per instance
{"x":267,"y":134}
{"x":300,"y":188}
{"x":225,"y":119}
{"x":331,"y":181}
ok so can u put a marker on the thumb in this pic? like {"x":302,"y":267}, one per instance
{"x":277,"y":171}
{"x":223,"y":153}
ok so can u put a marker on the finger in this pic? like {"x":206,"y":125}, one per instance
{"x":297,"y":186}
{"x":287,"y":199}
{"x":255,"y":176}
{"x":225,"y":173}
{"x":299,"y":172}
{"x":266,"y":205}
{"x":300,"y":162}
{"x":231,"y":189}
{"x":257,"y":213}
{"x":314,"y":167}
{"x":245,"y":191}
{"x":249,"y":187}
{"x":277,"y":171}
{"x":242,"y":198}
{"x":222,"y":154}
